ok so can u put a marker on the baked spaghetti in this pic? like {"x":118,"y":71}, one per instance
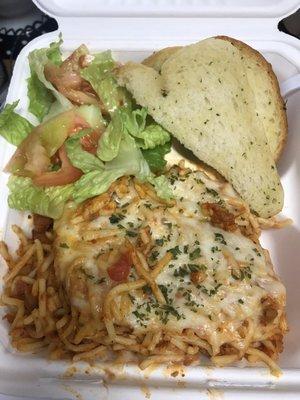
{"x":129,"y":273}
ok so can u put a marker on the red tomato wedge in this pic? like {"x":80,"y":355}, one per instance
{"x":79,"y":123}
{"x":119,"y":271}
{"x":32,"y":157}
{"x":89,"y":142}
{"x":68,"y":81}
{"x":66,"y":174}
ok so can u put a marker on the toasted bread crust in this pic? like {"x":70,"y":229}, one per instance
{"x":263,"y":63}
{"x":157,"y":59}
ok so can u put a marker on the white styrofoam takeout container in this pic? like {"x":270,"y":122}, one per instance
{"x":133,"y":29}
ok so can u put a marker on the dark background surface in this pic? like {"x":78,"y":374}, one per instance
{"x":20,"y":22}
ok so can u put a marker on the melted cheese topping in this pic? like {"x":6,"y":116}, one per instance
{"x":215,"y":281}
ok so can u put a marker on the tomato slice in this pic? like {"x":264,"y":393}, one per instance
{"x":32,"y":157}
{"x":66,"y":174}
{"x":54,"y":132}
{"x":89,"y":142}
{"x":119,"y":271}
{"x":67,"y":79}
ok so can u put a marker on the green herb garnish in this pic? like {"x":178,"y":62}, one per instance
{"x":195,"y":254}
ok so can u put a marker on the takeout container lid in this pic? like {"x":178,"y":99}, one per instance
{"x":132,"y":29}
{"x":167,"y":8}
{"x":169,"y":20}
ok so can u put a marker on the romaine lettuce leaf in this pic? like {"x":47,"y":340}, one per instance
{"x":92,"y":115}
{"x":80,"y":158}
{"x":156,"y":157}
{"x":102,"y":60}
{"x":13,"y":127}
{"x":129,"y":159}
{"x":44,"y":99}
{"x":94,"y":183}
{"x":54,"y":53}
{"x":147,"y":136}
{"x":40,"y":98}
{"x":152,"y":136}
{"x":161,"y":186}
{"x":109,"y":142}
{"x":25,"y":196}
{"x":99,"y":74}
{"x":134,"y":121}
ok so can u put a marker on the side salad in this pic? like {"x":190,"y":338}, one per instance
{"x":90,"y":133}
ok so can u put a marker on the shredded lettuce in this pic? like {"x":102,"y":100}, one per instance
{"x":156,"y":157}
{"x":44,"y":99}
{"x":13,"y":127}
{"x":99,"y":73}
{"x":80,"y":158}
{"x":25,"y":196}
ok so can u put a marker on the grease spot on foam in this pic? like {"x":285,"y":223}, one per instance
{"x":175,"y":371}
{"x":76,"y":395}
{"x":69,"y":372}
{"x":146,"y":391}
{"x":214,"y":394}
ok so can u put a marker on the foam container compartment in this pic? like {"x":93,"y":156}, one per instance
{"x":133,"y":38}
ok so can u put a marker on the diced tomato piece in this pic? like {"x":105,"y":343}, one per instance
{"x":89,"y":142}
{"x":119,"y":271}
{"x":40,"y":226}
{"x":41,"y":223}
{"x":79,"y":123}
{"x":20,"y":288}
